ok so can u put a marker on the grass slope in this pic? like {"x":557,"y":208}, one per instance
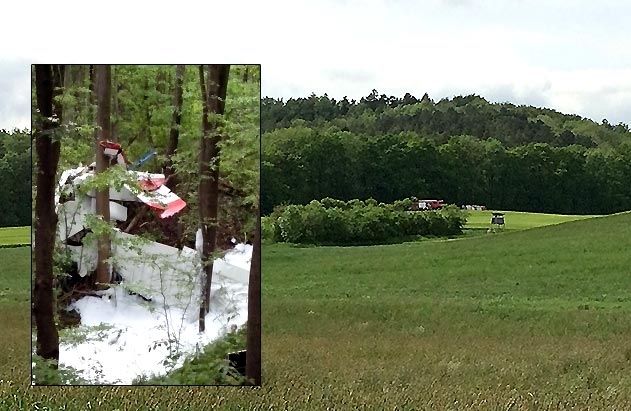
{"x":15,"y":235}
{"x":14,"y":319}
{"x":517,"y":220}
{"x":534,"y":319}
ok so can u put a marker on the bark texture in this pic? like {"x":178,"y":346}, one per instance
{"x":103,"y":97}
{"x":213,"y":87}
{"x":48,"y":81}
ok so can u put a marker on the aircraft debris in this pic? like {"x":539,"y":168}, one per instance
{"x":149,"y":268}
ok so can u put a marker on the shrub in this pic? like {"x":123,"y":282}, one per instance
{"x":402,"y":205}
{"x":333,"y":203}
{"x":456,"y":218}
{"x":290,"y":224}
{"x":335,"y":222}
{"x":267,"y":228}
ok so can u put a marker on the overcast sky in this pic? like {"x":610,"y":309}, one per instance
{"x":573,"y":56}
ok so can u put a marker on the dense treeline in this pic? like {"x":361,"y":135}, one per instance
{"x":302,"y":163}
{"x":335,"y":222}
{"x":15,"y":178}
{"x":472,"y":115}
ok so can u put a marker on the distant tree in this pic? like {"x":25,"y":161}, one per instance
{"x":409,"y":99}
{"x":426,"y":99}
{"x":566,"y":138}
{"x":15,"y":177}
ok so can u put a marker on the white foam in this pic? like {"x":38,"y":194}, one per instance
{"x":132,"y":338}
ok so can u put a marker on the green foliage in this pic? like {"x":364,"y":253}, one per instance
{"x":114,"y":177}
{"x":142,"y":109}
{"x":46,"y":372}
{"x":358,"y":222}
{"x":300,"y":164}
{"x":267,"y":228}
{"x":210,"y":367}
{"x":81,"y":334}
{"x":472,"y":115}
{"x":15,"y":178}
{"x":464,"y":150}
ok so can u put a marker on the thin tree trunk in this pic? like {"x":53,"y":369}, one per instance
{"x":174,"y":134}
{"x":204,"y":200}
{"x":70,"y":112}
{"x":253,"y":352}
{"x":92,"y":77}
{"x":115,"y":110}
{"x":103,"y":94}
{"x":148,"y":115}
{"x":213,"y":96}
{"x":47,"y":85}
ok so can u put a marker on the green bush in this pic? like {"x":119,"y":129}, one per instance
{"x":209,"y":367}
{"x":47,"y":372}
{"x":335,"y":222}
{"x":267,"y":228}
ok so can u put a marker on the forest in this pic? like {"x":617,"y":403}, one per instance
{"x":464,"y":150}
{"x":143,"y":122}
{"x":15,"y":177}
{"x":146,"y":184}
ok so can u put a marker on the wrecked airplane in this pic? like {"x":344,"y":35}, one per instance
{"x":149,"y":268}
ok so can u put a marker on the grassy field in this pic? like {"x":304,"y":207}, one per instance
{"x":15,"y":235}
{"x":533,"y":319}
{"x":15,"y":321}
{"x":516,"y":220}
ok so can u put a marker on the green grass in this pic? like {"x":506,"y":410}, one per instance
{"x":14,"y":275}
{"x":15,"y":235}
{"x":540,"y":318}
{"x":532,"y":319}
{"x":14,"y":319}
{"x":516,"y":220}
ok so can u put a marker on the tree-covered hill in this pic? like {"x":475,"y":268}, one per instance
{"x":461,"y":115}
{"x":464,"y":150}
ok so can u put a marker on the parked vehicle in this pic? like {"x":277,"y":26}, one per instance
{"x":420,"y":205}
{"x":473,"y":207}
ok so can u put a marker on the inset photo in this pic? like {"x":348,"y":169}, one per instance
{"x":146,"y":246}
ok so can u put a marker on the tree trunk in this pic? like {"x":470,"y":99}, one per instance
{"x":174,"y":134}
{"x":103,"y":95}
{"x":92,"y":99}
{"x":253,"y":352}
{"x":147,"y":125}
{"x":69,"y":82}
{"x":115,"y":108}
{"x":213,"y":96}
{"x":48,"y":80}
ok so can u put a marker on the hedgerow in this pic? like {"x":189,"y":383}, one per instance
{"x":337,"y":222}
